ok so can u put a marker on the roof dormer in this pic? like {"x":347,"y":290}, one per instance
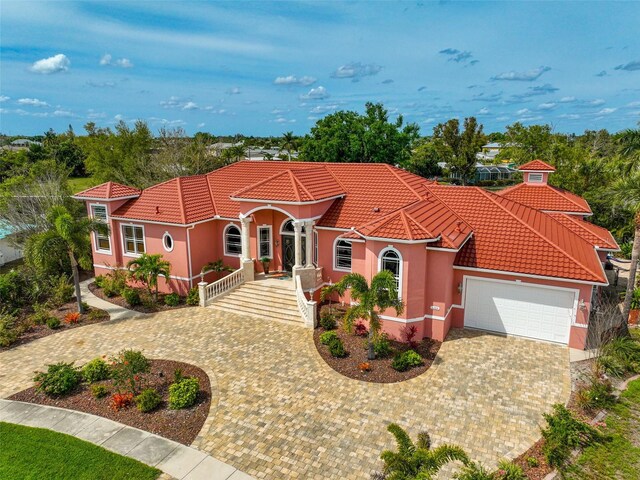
{"x":536,"y":172}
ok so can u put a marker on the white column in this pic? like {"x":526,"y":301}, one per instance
{"x":297,"y":227}
{"x":246,"y":255}
{"x":308,"y":227}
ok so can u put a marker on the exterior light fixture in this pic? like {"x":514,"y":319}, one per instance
{"x":460,"y":287}
{"x":582,"y":305}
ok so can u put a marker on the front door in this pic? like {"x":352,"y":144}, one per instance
{"x":289,"y":252}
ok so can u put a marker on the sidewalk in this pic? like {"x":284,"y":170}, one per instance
{"x":116,"y":312}
{"x":175,"y":459}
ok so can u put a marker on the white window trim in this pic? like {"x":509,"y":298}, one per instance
{"x":270,"y":229}
{"x":534,"y":178}
{"x":316,"y":251}
{"x":283,"y":232}
{"x":224,"y":240}
{"x":96,"y":245}
{"x":335,"y":256}
{"x":124,"y":246}
{"x":164,"y":245}
{"x":400,"y":273}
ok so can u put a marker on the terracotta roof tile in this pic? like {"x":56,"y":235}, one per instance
{"x":597,"y":236}
{"x":547,"y":198}
{"x":537,"y":166}
{"x":109,"y":190}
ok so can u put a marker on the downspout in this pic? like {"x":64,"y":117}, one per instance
{"x":189,"y":256}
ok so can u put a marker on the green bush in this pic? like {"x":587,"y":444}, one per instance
{"x":148,"y":399}
{"x":41,"y":314}
{"x":595,"y":394}
{"x":194,"y":297}
{"x":99,"y":281}
{"x":136,"y":361}
{"x":99,"y":391}
{"x":406,"y":360}
{"x":114,"y":283}
{"x":61,"y":290}
{"x":96,"y":370}
{"x":336,"y":348}
{"x":131,"y":296}
{"x":9,"y":328}
{"x":474,"y":471}
{"x":172,"y":300}
{"x":509,"y":471}
{"x":563,"y":434}
{"x":327,"y":337}
{"x":60,"y":378}
{"x":183,"y":394}
{"x":95,"y":314}
{"x":328,"y":321}
{"x":533,"y":462}
{"x":382,"y":346}
{"x":13,"y":289}
{"x":53,"y":323}
{"x":625,"y":351}
{"x":611,"y":366}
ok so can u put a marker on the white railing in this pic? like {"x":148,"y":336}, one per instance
{"x":307,"y":307}
{"x":211,"y":291}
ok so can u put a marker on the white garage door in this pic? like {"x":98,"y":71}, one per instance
{"x":519,"y":309}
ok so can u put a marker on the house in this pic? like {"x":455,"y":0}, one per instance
{"x":523,"y":261}
{"x":501,"y":171}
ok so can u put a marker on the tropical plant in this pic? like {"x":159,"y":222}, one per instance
{"x":172,"y":300}
{"x":289,"y":143}
{"x":72,"y":234}
{"x":217,"y":267}
{"x":147,"y":268}
{"x":370,"y":301}
{"x":417,"y":461}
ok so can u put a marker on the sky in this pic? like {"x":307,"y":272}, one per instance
{"x":264,"y":68}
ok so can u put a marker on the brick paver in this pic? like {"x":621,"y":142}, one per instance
{"x":278,"y":411}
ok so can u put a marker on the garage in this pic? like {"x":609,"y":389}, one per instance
{"x":518,"y":308}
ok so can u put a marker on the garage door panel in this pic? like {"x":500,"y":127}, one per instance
{"x":521,"y":309}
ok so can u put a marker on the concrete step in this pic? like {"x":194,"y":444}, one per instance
{"x":292,"y":319}
{"x":268,"y":295}
{"x":259,"y":307}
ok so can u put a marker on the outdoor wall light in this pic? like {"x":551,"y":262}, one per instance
{"x":460,"y":287}
{"x":582,"y":305}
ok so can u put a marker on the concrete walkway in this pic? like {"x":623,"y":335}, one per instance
{"x":116,"y":312}
{"x":175,"y":459}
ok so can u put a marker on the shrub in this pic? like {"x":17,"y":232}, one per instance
{"x":533,"y":462}
{"x":327,"y":337}
{"x":99,"y":391}
{"x":408,"y":333}
{"x":13,"y":289}
{"x":406,"y":360}
{"x":360,"y":329}
{"x":509,"y":471}
{"x":72,"y":318}
{"x":95,"y":314}
{"x":121,"y":400}
{"x":626,"y":351}
{"x":114,"y":283}
{"x":148,"y":302}
{"x":474,"y":471}
{"x":364,"y":367}
{"x":178,"y":376}
{"x":85,"y":306}
{"x":9,"y":328}
{"x":148,"y":399}
{"x":53,"y":323}
{"x":611,"y":365}
{"x":563,"y":434}
{"x":328,"y":321}
{"x":99,"y":281}
{"x":183,"y":394}
{"x":131,"y":296}
{"x":595,"y":394}
{"x":40,"y":314}
{"x":126,"y":368}
{"x":60,"y":378}
{"x":336,"y":348}
{"x":382,"y":346}
{"x":61,"y":290}
{"x":193,"y":298}
{"x":172,"y":300}
{"x":96,"y":370}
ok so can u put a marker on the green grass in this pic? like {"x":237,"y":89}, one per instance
{"x":35,"y":453}
{"x":619,"y":457}
{"x":79,"y":184}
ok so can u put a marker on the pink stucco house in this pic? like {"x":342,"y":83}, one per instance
{"x":523,"y":261}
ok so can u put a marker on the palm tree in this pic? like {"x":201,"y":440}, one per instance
{"x":417,"y":461}
{"x":289,"y":143}
{"x":371,"y":301}
{"x":71,"y":234}
{"x":218,"y":267}
{"x":147,"y":269}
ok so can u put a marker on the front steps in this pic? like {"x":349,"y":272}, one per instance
{"x":270,"y":299}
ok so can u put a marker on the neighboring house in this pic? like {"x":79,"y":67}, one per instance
{"x":484,"y":172}
{"x":490,"y":151}
{"x":462,"y":256}
{"x":8,"y":251}
{"x":20,"y":144}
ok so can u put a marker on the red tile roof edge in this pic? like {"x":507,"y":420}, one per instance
{"x":109,"y":185}
{"x":595,"y":230}
{"x":537,"y":165}
{"x":565,"y":193}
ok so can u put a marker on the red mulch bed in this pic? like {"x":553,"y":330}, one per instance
{"x":381,"y":371}
{"x":534,"y":473}
{"x":34,"y":332}
{"x":180,"y":425}
{"x":118,"y":300}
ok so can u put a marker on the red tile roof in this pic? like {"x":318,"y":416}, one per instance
{"x":537,"y":166}
{"x":109,"y":190}
{"x":308,"y":185}
{"x":597,"y":236}
{"x":511,"y":237}
{"x":547,"y":198}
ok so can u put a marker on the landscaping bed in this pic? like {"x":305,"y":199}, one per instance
{"x":380,"y":369}
{"x":181,"y":425}
{"x":147,"y":304}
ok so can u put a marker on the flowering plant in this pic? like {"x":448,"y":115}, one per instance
{"x":127,"y":369}
{"x":365,"y":367}
{"x":360,"y":329}
{"x":121,"y":400}
{"x":72,"y":318}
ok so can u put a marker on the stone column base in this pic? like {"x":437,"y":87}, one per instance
{"x":249,"y":270}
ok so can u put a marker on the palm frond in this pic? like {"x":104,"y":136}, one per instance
{"x":440,"y":456}
{"x":354,"y":313}
{"x":403,"y":441}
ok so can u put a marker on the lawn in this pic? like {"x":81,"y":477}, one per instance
{"x":36,"y":453}
{"x":79,"y":184}
{"x":620,"y":457}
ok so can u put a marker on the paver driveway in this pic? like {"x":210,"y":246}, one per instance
{"x":279,"y":411}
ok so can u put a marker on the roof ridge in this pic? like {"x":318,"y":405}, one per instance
{"x":297,"y":181}
{"x":210,"y":190}
{"x":259,"y":183}
{"x":403,"y":217}
{"x":579,"y":224}
{"x":538,"y":233}
{"x":428,"y":187}
{"x":422,"y":227}
{"x":109,"y":185}
{"x":182,"y":212}
{"x":562,"y":192}
{"x":328,"y":170}
{"x":393,"y":170}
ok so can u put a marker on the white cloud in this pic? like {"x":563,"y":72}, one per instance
{"x":124,"y":63}
{"x":92,"y":114}
{"x":630,"y":105}
{"x":234,"y":91}
{"x":502,"y":119}
{"x":318,"y":93}
{"x":570,"y":116}
{"x":107,"y":59}
{"x":34,"y":102}
{"x":323,"y":108}
{"x":200,"y":125}
{"x":4,"y":98}
{"x":523,"y":111}
{"x":91,"y":83}
{"x":284,"y":120}
{"x":293,"y":80}
{"x":567,"y":99}
{"x":165,"y":122}
{"x":190,"y":106}
{"x":57,"y":63}
{"x":429,"y":120}
{"x":484,"y":111}
{"x":606,"y":111}
{"x":356,"y":70}
{"x":528,"y":76}
{"x":547,"y":106}
{"x":63,"y":113}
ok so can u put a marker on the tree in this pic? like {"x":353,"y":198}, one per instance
{"x":72,"y":234}
{"x":417,"y":461}
{"x":458,"y":149}
{"x":217,"y":267}
{"x":346,"y":136}
{"x":147,"y":268}
{"x":523,"y":144}
{"x":370,"y":301}
{"x":424,"y":161}
{"x":289,"y":143}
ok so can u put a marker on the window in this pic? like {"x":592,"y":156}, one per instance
{"x":102,"y":242}
{"x":232,"y":240}
{"x":535,"y":177}
{"x":167,"y":242}
{"x":264,"y":242}
{"x":315,"y":247}
{"x":287,"y":227}
{"x":391,"y":260}
{"x":343,"y":255}
{"x":133,"y":239}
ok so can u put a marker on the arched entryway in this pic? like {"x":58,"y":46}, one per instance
{"x":287,"y":235}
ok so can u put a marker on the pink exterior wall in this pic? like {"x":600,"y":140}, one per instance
{"x":303,"y":211}
{"x":545,"y":178}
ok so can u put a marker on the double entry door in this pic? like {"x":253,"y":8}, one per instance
{"x":289,"y":251}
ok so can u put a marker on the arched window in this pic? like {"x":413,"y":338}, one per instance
{"x":391,"y":260}
{"x":287,"y":227}
{"x":167,"y":241}
{"x":342,"y":255}
{"x":232,"y":240}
